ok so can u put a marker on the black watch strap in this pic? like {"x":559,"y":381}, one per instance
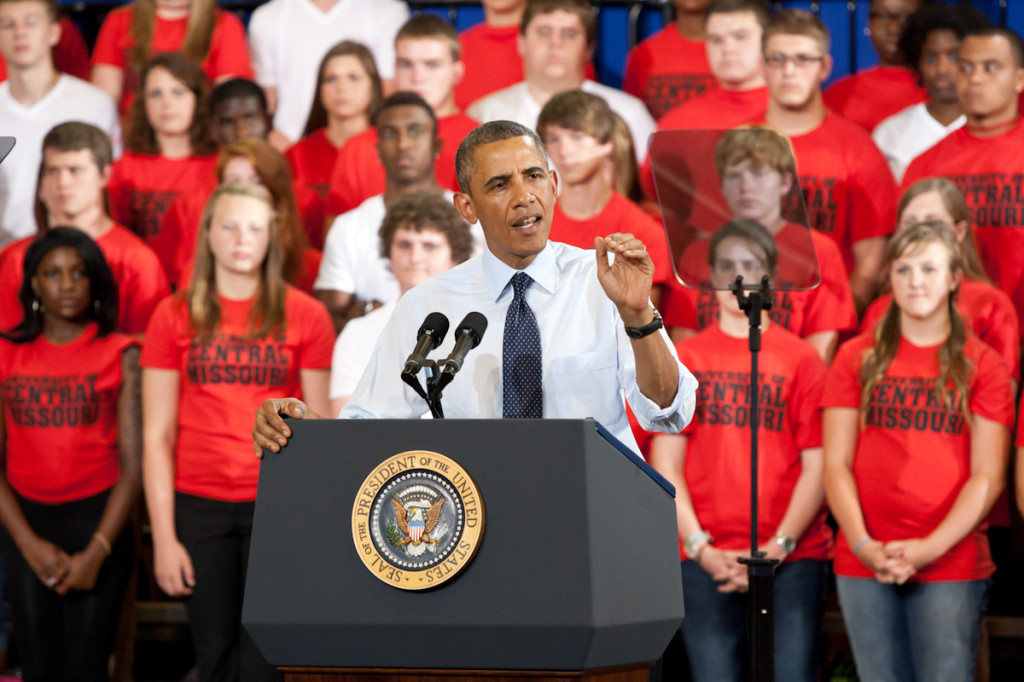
{"x":648,"y":329}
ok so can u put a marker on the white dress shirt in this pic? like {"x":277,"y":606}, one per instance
{"x":587,"y":357}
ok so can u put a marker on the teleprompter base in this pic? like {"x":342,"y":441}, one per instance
{"x":638,"y":672}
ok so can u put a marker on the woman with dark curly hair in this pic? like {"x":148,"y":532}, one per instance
{"x":70,"y":459}
{"x":168,"y":151}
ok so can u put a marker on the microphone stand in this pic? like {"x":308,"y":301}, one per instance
{"x":433,"y":398}
{"x":753,"y":299}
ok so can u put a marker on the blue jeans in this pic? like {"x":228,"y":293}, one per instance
{"x":926,"y":632}
{"x":715,"y":626}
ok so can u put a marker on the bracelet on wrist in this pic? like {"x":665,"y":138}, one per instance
{"x":697,"y":541}
{"x":104,"y":542}
{"x":861,"y":544}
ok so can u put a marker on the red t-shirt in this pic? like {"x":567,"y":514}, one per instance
{"x":869,"y":97}
{"x":986,"y":310}
{"x":827,"y":307}
{"x":224,"y":379}
{"x":718,"y":109}
{"x":60,"y":415}
{"x":666,"y":70}
{"x":849,"y":191}
{"x":717,"y":463}
{"x":914,"y":455}
{"x":228,"y":56}
{"x":492,"y":62}
{"x":312,"y":160}
{"x":358,"y":173}
{"x":618,"y":215}
{"x":141,"y":283}
{"x":142,"y":188}
{"x":988,"y":171}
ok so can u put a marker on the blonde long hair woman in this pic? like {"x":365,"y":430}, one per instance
{"x":238,"y":335}
{"x":917,"y":422}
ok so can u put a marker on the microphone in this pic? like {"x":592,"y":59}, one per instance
{"x":429,"y":337}
{"x":467,"y":337}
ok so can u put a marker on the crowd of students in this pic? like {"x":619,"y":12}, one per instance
{"x":290,"y":182}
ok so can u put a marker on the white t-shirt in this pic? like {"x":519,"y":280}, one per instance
{"x":288,"y":38}
{"x":352,"y":262}
{"x":515,"y":103}
{"x":907,"y":133}
{"x":71,"y":99}
{"x":354,"y":348}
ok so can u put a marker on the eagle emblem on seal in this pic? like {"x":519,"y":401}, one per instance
{"x":417,"y":512}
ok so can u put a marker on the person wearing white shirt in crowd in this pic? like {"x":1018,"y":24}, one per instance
{"x":352,"y":272}
{"x":288,"y":38}
{"x":422,"y":235}
{"x":930,"y":44}
{"x":598,"y":334}
{"x":556,"y":42}
{"x":34,"y":99}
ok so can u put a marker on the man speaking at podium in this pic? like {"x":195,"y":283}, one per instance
{"x":570,"y":331}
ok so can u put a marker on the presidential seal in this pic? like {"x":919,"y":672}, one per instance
{"x":417,"y":520}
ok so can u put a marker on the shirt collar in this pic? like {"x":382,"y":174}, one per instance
{"x":543,"y":270}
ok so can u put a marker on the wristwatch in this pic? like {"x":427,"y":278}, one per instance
{"x":648,"y":329}
{"x":787,"y":543}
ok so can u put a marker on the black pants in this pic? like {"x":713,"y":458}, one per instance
{"x":71,"y":637}
{"x":216,"y":535}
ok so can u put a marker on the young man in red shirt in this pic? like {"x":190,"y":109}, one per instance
{"x":984,"y":157}
{"x":578,"y":129}
{"x":848,"y":189}
{"x":489,"y":51}
{"x":427,"y":62}
{"x":734,"y":29}
{"x":73,"y":176}
{"x":671,"y":67}
{"x":868,"y":97}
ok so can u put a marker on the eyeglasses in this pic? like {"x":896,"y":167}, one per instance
{"x":800,"y":61}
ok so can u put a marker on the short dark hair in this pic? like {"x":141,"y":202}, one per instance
{"x":75,"y":136}
{"x":405,"y":98}
{"x":1016,"y":45}
{"x":237,"y":87}
{"x":761,"y":9}
{"x":488,"y":133}
{"x":102,"y":286}
{"x":581,"y":8}
{"x":960,"y":19}
{"x":419,"y":211}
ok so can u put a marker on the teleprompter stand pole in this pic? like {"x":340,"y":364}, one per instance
{"x":752,"y":300}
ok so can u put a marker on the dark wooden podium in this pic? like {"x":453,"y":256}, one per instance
{"x":576,"y":578}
